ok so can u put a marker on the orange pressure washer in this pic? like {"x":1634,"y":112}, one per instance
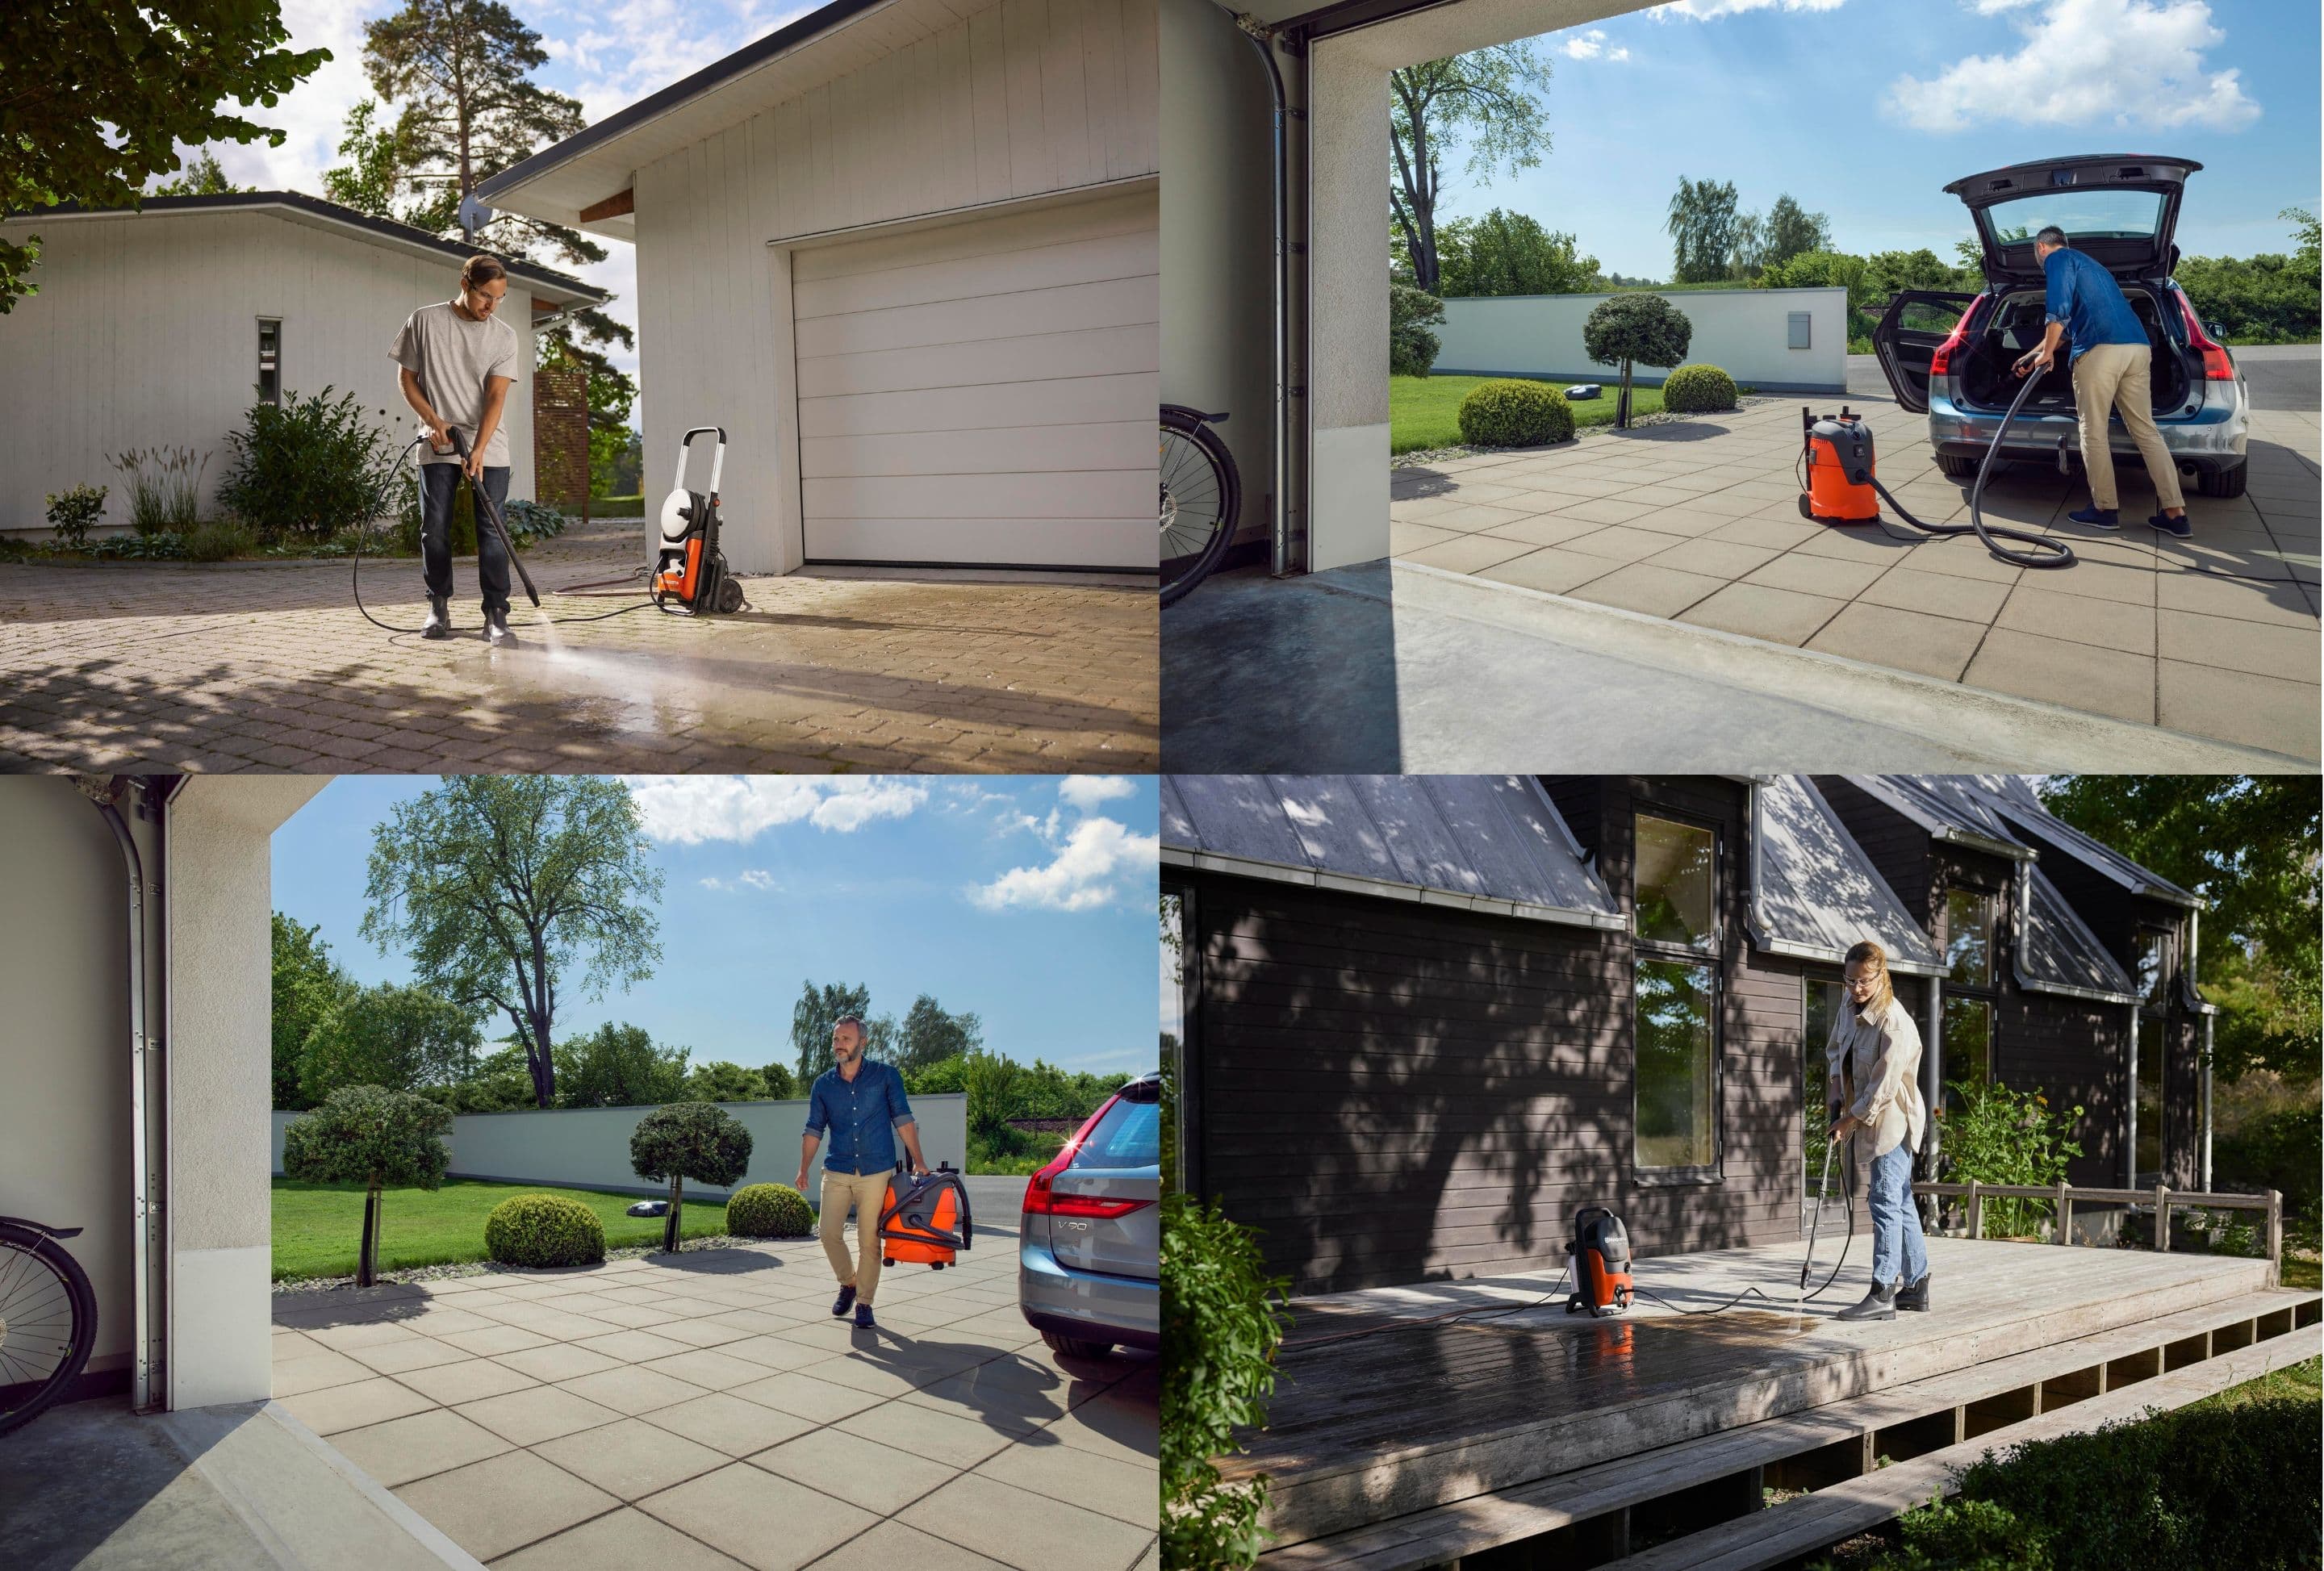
{"x":928,"y":1222}
{"x":690,"y":567}
{"x":1600,"y":1256}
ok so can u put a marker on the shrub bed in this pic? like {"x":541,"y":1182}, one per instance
{"x":542,"y":1231}
{"x":1509,"y":414}
{"x":769,"y":1211}
{"x":1698,"y":389}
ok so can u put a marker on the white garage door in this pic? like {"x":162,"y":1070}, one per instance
{"x":984,"y":393}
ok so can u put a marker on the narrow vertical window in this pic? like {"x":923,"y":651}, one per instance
{"x":270,"y":360}
{"x":1674,"y":916}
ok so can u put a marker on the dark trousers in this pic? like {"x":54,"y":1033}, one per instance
{"x":438,"y":484}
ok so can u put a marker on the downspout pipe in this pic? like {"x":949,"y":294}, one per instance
{"x":2130,"y":1110}
{"x":1933,"y":1088}
{"x":140,"y":1380}
{"x":1279,"y":553}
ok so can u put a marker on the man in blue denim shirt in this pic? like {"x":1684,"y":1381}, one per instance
{"x":2114,"y":372}
{"x":860,"y":1103}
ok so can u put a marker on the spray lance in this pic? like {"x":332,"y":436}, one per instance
{"x":486,"y":504}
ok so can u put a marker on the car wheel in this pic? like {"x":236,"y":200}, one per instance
{"x":1074,"y":1347}
{"x":1959,"y":468}
{"x":2223,"y":482}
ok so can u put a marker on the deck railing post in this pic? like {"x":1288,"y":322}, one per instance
{"x":2162,"y":1219}
{"x":2065,"y":1213}
{"x":1976,"y":1211}
{"x":2274,"y":1238}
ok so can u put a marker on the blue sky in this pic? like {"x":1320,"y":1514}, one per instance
{"x":1864,"y":109}
{"x":1029,"y":899}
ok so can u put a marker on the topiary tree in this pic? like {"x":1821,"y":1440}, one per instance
{"x":769,"y":1211}
{"x":543,"y":1230}
{"x":366,"y":1135}
{"x":1698,"y":390}
{"x":1411,"y":346}
{"x":1507,"y":412}
{"x":689,"y":1140}
{"x":1644,"y":328}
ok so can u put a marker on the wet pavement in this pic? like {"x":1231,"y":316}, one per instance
{"x":139,"y":666}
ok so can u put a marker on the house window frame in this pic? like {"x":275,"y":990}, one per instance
{"x":2153,"y":1009}
{"x":1811,"y":1052}
{"x":1185,"y":1077}
{"x":271,"y":394}
{"x":1987,"y":993}
{"x":1710,"y":960}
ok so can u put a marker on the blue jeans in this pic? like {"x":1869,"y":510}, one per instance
{"x":1900,"y":1254}
{"x":438,"y":484}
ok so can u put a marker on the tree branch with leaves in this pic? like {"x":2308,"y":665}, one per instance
{"x":1486,"y":101}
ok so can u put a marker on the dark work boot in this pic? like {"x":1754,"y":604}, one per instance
{"x":1879,"y":1304}
{"x":845,"y":1302}
{"x":1915,"y":1296}
{"x":496,"y":628}
{"x":439,"y":618}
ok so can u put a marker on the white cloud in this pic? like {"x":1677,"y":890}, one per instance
{"x":1708,"y":10}
{"x":1592,"y":45}
{"x":2125,"y":63}
{"x":757,"y":878}
{"x":1086,"y":791}
{"x":689,"y":809}
{"x":1093,"y":864}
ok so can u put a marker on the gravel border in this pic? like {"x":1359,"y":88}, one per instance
{"x":1425,"y":458}
{"x":488,"y":1268}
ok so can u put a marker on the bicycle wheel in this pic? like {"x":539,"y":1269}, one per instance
{"x":48,"y":1323}
{"x":1202,"y":497}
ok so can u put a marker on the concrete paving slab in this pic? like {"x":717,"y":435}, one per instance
{"x":849,"y":1468}
{"x":620,"y":1540}
{"x":1037,"y":1532}
{"x":1122,"y":1489}
{"x":1912,"y":641}
{"x":297,"y":1376}
{"x":537,"y":1413}
{"x":451,"y":1384}
{"x":555,"y":1361}
{"x":632,"y":1459}
{"x":504,"y":1503}
{"x":635,"y":1389}
{"x":892,"y":1544}
{"x":2034,"y":607}
{"x":352,"y":1406}
{"x":426,"y":1443}
{"x":1759,"y":611}
{"x":2237,"y":705}
{"x":1905,"y":587}
{"x":2104,"y":680}
{"x":1646,"y":587}
{"x":762,"y":1520}
{"x":420,"y":1352}
{"x":728,"y":1423}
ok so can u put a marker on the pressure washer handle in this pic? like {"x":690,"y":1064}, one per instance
{"x":493,"y":512}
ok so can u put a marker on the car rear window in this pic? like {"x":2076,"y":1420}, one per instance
{"x":2083,"y":215}
{"x":1128,"y":1135}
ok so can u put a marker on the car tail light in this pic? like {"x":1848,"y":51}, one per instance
{"x":1941,"y":364}
{"x":1042,"y":1199}
{"x":2216,"y":365}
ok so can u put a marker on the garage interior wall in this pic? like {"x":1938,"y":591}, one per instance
{"x":1218,"y":315}
{"x":1024,"y":99}
{"x":64,"y":969}
{"x":145,"y":334}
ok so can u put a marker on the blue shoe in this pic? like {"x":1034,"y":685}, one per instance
{"x":2182,"y":527}
{"x":845,"y":1299}
{"x":2098,"y":517}
{"x":863,"y":1316}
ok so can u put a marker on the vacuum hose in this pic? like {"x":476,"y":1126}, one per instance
{"x":2047,"y":552}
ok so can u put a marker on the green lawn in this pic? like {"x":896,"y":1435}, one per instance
{"x":1424,"y":412}
{"x":318,"y":1227}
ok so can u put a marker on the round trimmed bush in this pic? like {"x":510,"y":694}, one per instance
{"x":1509,"y":414}
{"x":1698,"y":389}
{"x":769,"y":1211}
{"x":544,"y":1230}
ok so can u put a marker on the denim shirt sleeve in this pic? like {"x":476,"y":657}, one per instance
{"x":900,"y":1111}
{"x":2058,"y":305}
{"x":817,"y":1118}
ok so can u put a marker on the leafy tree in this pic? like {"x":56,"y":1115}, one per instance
{"x":2305,"y":227}
{"x":947,"y":1075}
{"x":97,"y":97}
{"x":500,"y":885}
{"x":380,"y":161}
{"x":991,"y":1082}
{"x":1749,"y":254}
{"x":373,"y":1137}
{"x":462,"y":70}
{"x":501,"y":1082}
{"x":1645,"y":328}
{"x":1701,"y":225}
{"x":812,"y":1018}
{"x":726,"y":1082}
{"x":201,"y":178}
{"x":778,"y":1081}
{"x":929,"y":1034}
{"x":402,"y":1039}
{"x":1790,"y":229}
{"x":1411,"y":346}
{"x":618,"y":1065}
{"x":689,"y":1140}
{"x":2248,"y":844}
{"x":308,"y":985}
{"x":1505,"y":253}
{"x":1486,"y":98}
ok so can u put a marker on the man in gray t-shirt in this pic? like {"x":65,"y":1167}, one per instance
{"x":459,"y":360}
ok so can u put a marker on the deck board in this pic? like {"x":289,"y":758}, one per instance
{"x":1424,"y":1411}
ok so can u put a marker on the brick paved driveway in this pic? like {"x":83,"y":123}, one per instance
{"x":1699,"y":522}
{"x":133,"y":666}
{"x":707,"y":1412}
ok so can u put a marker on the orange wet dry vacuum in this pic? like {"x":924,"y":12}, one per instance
{"x":1837,"y":455}
{"x":925,"y":1222}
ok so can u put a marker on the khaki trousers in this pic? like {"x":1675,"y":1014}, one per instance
{"x":867,"y":1192}
{"x":2119,"y":378}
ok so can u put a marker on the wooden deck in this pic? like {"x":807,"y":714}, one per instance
{"x":1369,"y":1437}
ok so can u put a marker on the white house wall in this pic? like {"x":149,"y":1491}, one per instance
{"x":145,"y":334}
{"x":1024,"y":99}
{"x":1745,"y":332}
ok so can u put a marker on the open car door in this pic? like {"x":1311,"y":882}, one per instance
{"x":1916,"y":321}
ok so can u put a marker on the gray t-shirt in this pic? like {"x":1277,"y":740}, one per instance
{"x":452,"y":355}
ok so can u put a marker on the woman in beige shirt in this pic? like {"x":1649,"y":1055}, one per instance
{"x":1874,"y":1057}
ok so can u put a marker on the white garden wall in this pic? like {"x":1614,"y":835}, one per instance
{"x":1748,"y":332}
{"x":588,"y":1148}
